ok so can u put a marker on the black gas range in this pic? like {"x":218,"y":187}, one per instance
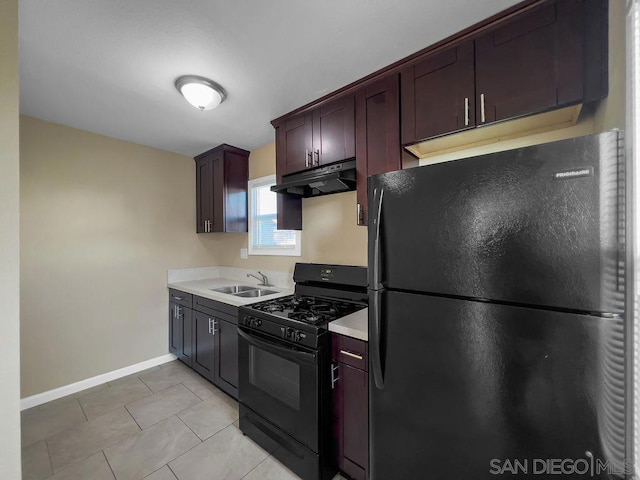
{"x":285,"y":366}
{"x":297,"y":318}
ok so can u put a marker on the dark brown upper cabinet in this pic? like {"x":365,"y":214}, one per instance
{"x":221,"y":190}
{"x":438,"y":94}
{"x":531,"y":64}
{"x":550,"y":55}
{"x":317,"y":137}
{"x":377,"y":135}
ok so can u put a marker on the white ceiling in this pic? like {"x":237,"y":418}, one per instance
{"x":108,"y":66}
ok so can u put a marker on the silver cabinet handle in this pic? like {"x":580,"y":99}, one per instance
{"x":178,"y":298}
{"x":352,"y":355}
{"x":317,"y":154}
{"x":212,"y":326}
{"x":178,"y":311}
{"x":466,"y":111}
{"x":334,"y":377}
{"x":359,"y":217}
{"x":482,"y":115}
{"x":306,"y":158}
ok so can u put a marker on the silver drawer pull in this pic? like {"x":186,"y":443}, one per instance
{"x":178,"y":298}
{"x":349,"y":354}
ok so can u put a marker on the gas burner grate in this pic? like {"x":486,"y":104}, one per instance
{"x":311,"y":310}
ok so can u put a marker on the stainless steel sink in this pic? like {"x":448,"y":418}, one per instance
{"x":234,"y":289}
{"x":258,"y":292}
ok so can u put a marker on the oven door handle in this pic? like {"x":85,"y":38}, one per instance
{"x":288,"y":353}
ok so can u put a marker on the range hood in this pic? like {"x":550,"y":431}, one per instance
{"x":336,"y":178}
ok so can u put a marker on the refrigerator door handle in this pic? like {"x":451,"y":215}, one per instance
{"x":375,"y":342}
{"x":377,"y":281}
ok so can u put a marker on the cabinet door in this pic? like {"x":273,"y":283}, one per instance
{"x":377,"y":135}
{"x":351,"y":423}
{"x":175,"y":330}
{"x":356,"y":427}
{"x":227,"y":356}
{"x":295,"y":145}
{"x":186,"y":347}
{"x":289,"y":207}
{"x":204,"y":193}
{"x":334,"y":131}
{"x":438,"y":94}
{"x":532,"y":63}
{"x":218,"y":198}
{"x":236,"y":176}
{"x":204,"y":345}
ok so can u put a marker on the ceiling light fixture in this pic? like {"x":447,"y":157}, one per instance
{"x":202,"y":93}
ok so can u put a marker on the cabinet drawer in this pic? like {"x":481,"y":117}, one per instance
{"x":181,"y":298}
{"x":349,"y":351}
{"x":216,"y":309}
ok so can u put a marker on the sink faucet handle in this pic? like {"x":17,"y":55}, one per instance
{"x":265,"y":279}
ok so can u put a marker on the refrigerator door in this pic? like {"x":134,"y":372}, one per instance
{"x":467,"y":386}
{"x":541,"y":225}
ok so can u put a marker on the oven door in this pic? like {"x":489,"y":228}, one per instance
{"x":280,"y":382}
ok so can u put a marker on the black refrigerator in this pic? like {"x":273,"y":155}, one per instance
{"x":496,"y":315}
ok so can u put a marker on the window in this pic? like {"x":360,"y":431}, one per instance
{"x":264,"y":237}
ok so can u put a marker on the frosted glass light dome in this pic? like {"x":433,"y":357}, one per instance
{"x":202,"y":93}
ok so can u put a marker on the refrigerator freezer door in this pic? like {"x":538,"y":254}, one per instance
{"x":468,"y":382}
{"x":539,"y":226}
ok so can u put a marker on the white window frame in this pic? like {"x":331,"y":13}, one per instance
{"x":294,"y":251}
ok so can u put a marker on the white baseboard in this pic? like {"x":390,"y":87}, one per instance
{"x":60,"y":392}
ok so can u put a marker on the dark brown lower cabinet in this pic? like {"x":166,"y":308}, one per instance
{"x":351,"y":406}
{"x":204,"y":345}
{"x":180,"y":332}
{"x":226,"y":368}
{"x":206,"y":339}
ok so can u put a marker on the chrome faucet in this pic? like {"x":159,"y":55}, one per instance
{"x":264,"y":280}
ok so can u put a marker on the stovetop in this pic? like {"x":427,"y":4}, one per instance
{"x":307,"y":309}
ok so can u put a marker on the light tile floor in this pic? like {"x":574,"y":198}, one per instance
{"x":165,"y":423}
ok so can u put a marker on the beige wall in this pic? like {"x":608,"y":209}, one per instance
{"x":9,"y":244}
{"x":329,"y":234}
{"x":101,"y":222}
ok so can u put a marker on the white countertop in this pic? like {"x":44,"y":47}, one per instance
{"x":355,"y":325}
{"x":202,"y":288}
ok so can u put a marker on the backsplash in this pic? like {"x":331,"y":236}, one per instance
{"x":278,"y":279}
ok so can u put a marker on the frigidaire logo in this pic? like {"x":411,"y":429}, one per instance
{"x":582,"y":172}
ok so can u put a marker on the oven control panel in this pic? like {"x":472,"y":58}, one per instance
{"x":275,"y":329}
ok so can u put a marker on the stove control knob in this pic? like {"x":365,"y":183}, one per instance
{"x":258,"y":322}
{"x":251,"y":321}
{"x":297,"y":335}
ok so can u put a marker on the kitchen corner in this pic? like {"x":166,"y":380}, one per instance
{"x":412,"y":259}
